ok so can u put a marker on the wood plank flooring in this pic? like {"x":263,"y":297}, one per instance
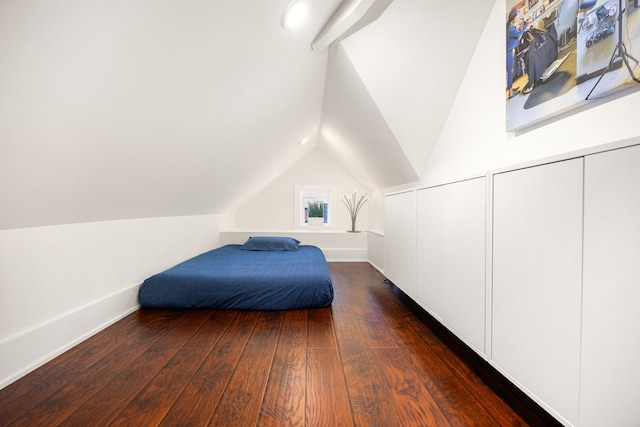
{"x":369,"y":360}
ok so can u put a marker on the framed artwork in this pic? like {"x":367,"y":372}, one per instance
{"x":565,"y":54}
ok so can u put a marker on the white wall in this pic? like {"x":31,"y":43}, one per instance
{"x":474,"y":140}
{"x":275,"y":203}
{"x":60,"y":284}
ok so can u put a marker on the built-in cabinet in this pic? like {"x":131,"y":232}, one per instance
{"x":540,"y":274}
{"x":610,"y":372}
{"x":450,"y":281}
{"x":537,"y":269}
{"x":400,"y":240}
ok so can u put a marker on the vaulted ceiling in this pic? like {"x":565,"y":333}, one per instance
{"x":142,"y":108}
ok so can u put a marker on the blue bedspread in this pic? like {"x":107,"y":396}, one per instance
{"x":231,"y":278}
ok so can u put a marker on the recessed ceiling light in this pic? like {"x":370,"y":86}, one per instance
{"x":293,"y":15}
{"x":303,"y":141}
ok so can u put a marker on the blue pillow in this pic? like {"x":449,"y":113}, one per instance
{"x":264,"y":243}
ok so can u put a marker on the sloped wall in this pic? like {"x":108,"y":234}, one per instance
{"x":411,"y":60}
{"x":354,"y":133}
{"x":135,"y":109}
{"x":474,"y":140}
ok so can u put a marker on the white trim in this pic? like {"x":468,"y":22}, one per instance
{"x":345,"y":254}
{"x":406,"y":190}
{"x":381,"y":270}
{"x":570,"y":155}
{"x":24,"y":352}
{"x":454,"y":181}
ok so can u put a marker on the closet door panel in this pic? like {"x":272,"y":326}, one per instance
{"x":537,"y":267}
{"x":400,"y":241}
{"x":451,"y":223}
{"x":610,"y":379}
{"x":430,"y":287}
{"x":464,"y":260}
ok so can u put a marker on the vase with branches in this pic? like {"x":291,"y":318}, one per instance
{"x":354,"y":204}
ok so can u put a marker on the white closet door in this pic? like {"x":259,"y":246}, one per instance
{"x":465,"y":260}
{"x":610,"y":380}
{"x":400,"y":241}
{"x":451,"y":223}
{"x":537,"y":266}
{"x":430,"y":251}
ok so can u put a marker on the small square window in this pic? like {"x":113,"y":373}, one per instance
{"x":314,"y":201}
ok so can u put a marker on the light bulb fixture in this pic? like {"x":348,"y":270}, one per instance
{"x":293,"y":14}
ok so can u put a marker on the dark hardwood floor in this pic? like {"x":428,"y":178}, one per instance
{"x":369,"y":360}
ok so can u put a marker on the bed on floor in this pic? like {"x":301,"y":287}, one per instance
{"x":263,"y":274}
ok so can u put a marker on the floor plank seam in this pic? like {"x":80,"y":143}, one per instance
{"x":195,"y":371}
{"x":342,"y":363}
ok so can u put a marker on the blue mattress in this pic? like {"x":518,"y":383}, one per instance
{"x":231,"y":278}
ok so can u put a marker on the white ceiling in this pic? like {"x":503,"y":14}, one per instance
{"x":142,"y":108}
{"x":354,"y":133}
{"x":412,"y":60}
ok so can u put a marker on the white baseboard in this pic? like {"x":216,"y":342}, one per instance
{"x":24,"y":352}
{"x":381,"y":270}
{"x":345,"y":254}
